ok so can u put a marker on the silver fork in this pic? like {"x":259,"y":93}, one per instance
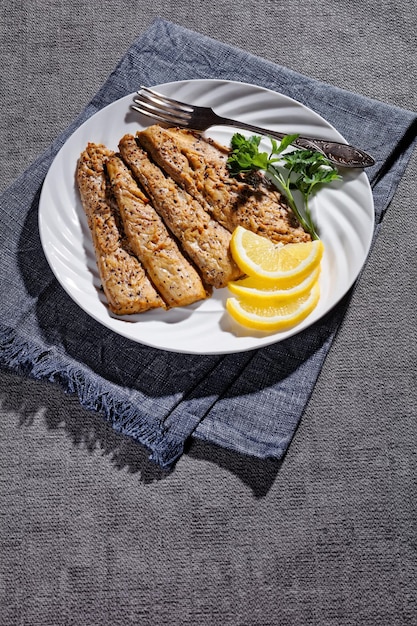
{"x":175,"y":113}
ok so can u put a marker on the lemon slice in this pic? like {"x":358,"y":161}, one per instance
{"x":256,"y":291}
{"x":274,"y":317}
{"x":260,"y":258}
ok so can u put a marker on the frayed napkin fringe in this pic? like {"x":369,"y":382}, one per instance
{"x":22,"y":356}
{"x":166,"y":457}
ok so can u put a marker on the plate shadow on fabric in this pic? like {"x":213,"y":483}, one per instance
{"x":108,"y":354}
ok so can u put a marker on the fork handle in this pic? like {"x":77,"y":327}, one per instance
{"x":341,"y":154}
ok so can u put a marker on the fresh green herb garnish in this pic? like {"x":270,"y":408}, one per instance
{"x":303,"y":170}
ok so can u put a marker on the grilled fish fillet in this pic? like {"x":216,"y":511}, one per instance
{"x":125,"y":284}
{"x":204,"y":240}
{"x":198,"y":165}
{"x":175,"y":279}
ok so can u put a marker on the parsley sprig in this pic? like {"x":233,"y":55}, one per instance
{"x":302,"y":170}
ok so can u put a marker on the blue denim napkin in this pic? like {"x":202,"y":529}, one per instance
{"x":248,"y":402}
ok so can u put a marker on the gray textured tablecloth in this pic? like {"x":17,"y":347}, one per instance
{"x":90,"y":533}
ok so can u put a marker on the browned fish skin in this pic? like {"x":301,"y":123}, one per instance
{"x":198,"y":165}
{"x":204,"y":240}
{"x":172,"y":275}
{"x":127,"y":288}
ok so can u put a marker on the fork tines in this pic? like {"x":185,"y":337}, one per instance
{"x":164,"y":109}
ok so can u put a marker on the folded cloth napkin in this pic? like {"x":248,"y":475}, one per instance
{"x":249,"y":402}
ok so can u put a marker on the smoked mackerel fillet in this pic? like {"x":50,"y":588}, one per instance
{"x":203,"y":239}
{"x":125,"y":284}
{"x":175,"y":279}
{"x":198,"y":165}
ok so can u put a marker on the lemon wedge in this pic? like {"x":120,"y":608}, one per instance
{"x":256,"y":291}
{"x":284,"y":265}
{"x":271,"y":317}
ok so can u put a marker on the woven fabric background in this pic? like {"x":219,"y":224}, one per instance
{"x":90,"y":532}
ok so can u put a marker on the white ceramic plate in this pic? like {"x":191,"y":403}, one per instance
{"x":343,"y":212}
